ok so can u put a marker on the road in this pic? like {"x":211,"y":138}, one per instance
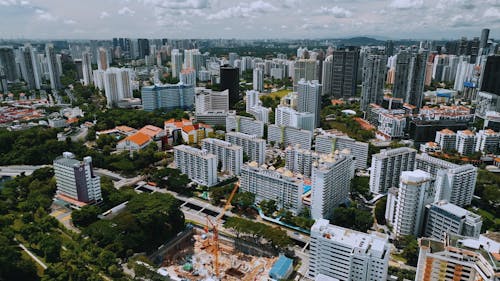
{"x":16,"y":170}
{"x":35,"y":258}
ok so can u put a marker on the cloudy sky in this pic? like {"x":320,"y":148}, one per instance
{"x":103,"y":19}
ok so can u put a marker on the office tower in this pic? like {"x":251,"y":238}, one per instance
{"x":447,"y":139}
{"x":444,"y":218}
{"x":328,"y":143}
{"x":285,"y":136}
{"x":243,"y":124}
{"x":287,"y":116}
{"x":485,"y":33}
{"x":309,"y":98}
{"x":279,"y":185}
{"x":387,"y":167}
{"x":176,"y":62}
{"x":76,"y":180}
{"x":254,"y":148}
{"x":258,"y":79}
{"x":54,"y":74}
{"x":489,"y":81}
{"x":466,"y":142}
{"x":327,"y":76}
{"x":345,"y":71}
{"x":488,"y":141}
{"x":306,"y":69}
{"x":374,"y":71}
{"x":229,"y":156}
{"x":143,"y":48}
{"x":188,"y":76}
{"x":339,"y":253}
{"x":457,"y":259}
{"x":416,"y":190}
{"x":199,"y":165}
{"x":168,"y":97}
{"x":29,"y":68}
{"x":409,"y":77}
{"x":87,"y":69}
{"x":117,"y":85}
{"x":230,"y":80}
{"x":102,"y":59}
{"x":331,"y":182}
{"x":8,"y":63}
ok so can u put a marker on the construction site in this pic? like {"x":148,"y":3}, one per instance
{"x":197,"y":261}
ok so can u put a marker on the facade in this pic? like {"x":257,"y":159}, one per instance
{"x":243,"y":124}
{"x":29,"y":67}
{"x":309,"y":98}
{"x":306,"y":69}
{"x":286,"y":136}
{"x":258,"y":79}
{"x":488,"y":141}
{"x":208,"y":100}
{"x":287,"y":116}
{"x":387,"y":167}
{"x":117,"y":85}
{"x":229,"y":156}
{"x":443,"y":217}
{"x":53,"y":69}
{"x":253,"y":147}
{"x":168,"y":97}
{"x":199,"y":165}
{"x":446,"y":139}
{"x":327,"y":76}
{"x":409,"y":77}
{"x":391,"y":125}
{"x":300,"y":160}
{"x":8,"y":63}
{"x":279,"y":185}
{"x":374,"y":72}
{"x":328,"y":143}
{"x":188,"y":76}
{"x":345,"y":71}
{"x":230,"y":80}
{"x":343,"y":254}
{"x":457,"y":259}
{"x":466,"y":142}
{"x":87,"y":69}
{"x":489,"y":80}
{"x":331,"y":183}
{"x":176,"y":63}
{"x":76,"y":180}
{"x":416,"y":190}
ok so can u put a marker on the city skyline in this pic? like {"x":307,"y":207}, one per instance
{"x":385,"y":19}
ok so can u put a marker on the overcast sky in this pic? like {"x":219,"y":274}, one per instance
{"x":104,"y":19}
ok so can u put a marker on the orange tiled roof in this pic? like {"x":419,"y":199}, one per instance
{"x":150,"y":130}
{"x":188,"y":128}
{"x":138,"y":138}
{"x":124,"y":128}
{"x":447,"y":132}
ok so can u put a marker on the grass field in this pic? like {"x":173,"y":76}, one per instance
{"x":279,"y":94}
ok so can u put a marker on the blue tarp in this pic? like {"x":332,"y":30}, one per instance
{"x":281,"y":268}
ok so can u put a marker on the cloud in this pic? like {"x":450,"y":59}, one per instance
{"x":14,"y":3}
{"x":244,"y":10}
{"x":44,"y":15}
{"x":69,"y":22}
{"x":335,"y":11}
{"x":180,"y":4}
{"x":406,"y":4}
{"x":492,"y":12}
{"x":104,"y":15}
{"x":126,"y":11}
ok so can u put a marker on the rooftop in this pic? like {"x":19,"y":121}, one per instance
{"x":138,"y":138}
{"x":150,"y":130}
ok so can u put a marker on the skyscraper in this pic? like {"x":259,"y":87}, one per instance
{"x":143,"y":48}
{"x":117,"y":85}
{"x":409,"y":77}
{"x":327,"y":76}
{"x":54,"y":74}
{"x":230,"y":80}
{"x":345,"y":71}
{"x":374,"y":71}
{"x":199,"y":165}
{"x":87,"y":69}
{"x":8,"y":62}
{"x":490,"y":82}
{"x":76,"y":179}
{"x":485,"y":33}
{"x":102,"y":60}
{"x":258,"y":79}
{"x":29,"y":68}
{"x":306,"y":69}
{"x":309,"y":98}
{"x":387,"y":167}
{"x":176,"y":62}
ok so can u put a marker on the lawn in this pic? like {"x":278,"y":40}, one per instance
{"x":280,"y":93}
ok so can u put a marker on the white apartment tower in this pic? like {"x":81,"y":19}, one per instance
{"x":388,"y":165}
{"x":76,"y":180}
{"x":343,"y":254}
{"x":229,"y":156}
{"x":117,"y":85}
{"x":176,"y":62}
{"x":199,"y":165}
{"x":466,"y":142}
{"x":258,"y":79}
{"x":309,"y":98}
{"x":328,"y":143}
{"x":54,"y":73}
{"x":287,"y":116}
{"x":488,"y":141}
{"x":331,"y":182}
{"x":253,"y":147}
{"x":87,"y":68}
{"x":447,"y":139}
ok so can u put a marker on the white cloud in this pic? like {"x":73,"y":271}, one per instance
{"x":180,"y":4}
{"x":492,"y":12}
{"x":335,"y":11}
{"x":406,"y":4}
{"x":14,"y":3}
{"x":126,"y":11}
{"x":44,"y":15}
{"x":69,"y":22}
{"x":104,"y":15}
{"x":244,"y":10}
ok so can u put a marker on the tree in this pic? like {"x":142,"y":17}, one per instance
{"x":410,"y":248}
{"x":50,"y":245}
{"x":244,"y":200}
{"x":85,"y":216}
{"x":268,"y":207}
{"x":380,"y":210}
{"x":352,"y":217}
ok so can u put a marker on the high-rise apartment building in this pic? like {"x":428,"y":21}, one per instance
{"x":258,"y":79}
{"x":54,"y":74}
{"x":487,"y":141}
{"x":230,"y":80}
{"x":306,"y":69}
{"x":285,"y":136}
{"x":117,"y":85}
{"x":287,"y":116}
{"x":143,"y":48}
{"x":253,"y":147}
{"x":29,"y":67}
{"x":331,"y":182}
{"x":447,"y":139}
{"x":243,"y":124}
{"x":327,"y":76}
{"x":199,"y":165}
{"x":387,"y":167}
{"x":8,"y":63}
{"x":279,"y":185}
{"x":102,"y":59}
{"x":343,"y":254}
{"x":489,"y":79}
{"x":444,"y":218}
{"x":176,"y":63}
{"x":416,"y":190}
{"x":328,"y":143}
{"x":188,"y":76}
{"x":345,"y":71}
{"x":309,"y":98}
{"x":169,"y":96}
{"x":300,"y":160}
{"x":87,"y":69}
{"x":229,"y":156}
{"x":76,"y":180}
{"x":466,"y":142}
{"x":409,"y":77}
{"x":374,"y":71}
